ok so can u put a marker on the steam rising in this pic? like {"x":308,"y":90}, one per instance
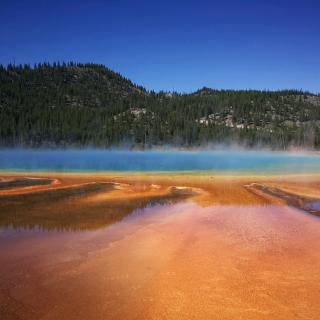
{"x":219,"y":160}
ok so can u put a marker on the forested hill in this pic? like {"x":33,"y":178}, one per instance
{"x":89,"y":105}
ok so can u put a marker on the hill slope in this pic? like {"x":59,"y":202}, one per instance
{"x":81,"y":85}
{"x":79,"y":105}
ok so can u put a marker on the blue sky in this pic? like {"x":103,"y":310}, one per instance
{"x":172,"y":45}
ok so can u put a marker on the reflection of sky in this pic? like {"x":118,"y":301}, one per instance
{"x":97,"y":160}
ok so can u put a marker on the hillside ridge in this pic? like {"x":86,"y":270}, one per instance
{"x":82,"y":105}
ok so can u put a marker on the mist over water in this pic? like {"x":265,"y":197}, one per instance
{"x":101,"y":160}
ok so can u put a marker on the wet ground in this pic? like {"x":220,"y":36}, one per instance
{"x":160,"y":247}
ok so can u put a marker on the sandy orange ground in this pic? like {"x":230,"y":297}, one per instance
{"x":224,"y":253}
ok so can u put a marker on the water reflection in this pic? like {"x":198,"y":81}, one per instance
{"x":302,"y":202}
{"x":77,"y":208}
{"x":137,"y":249}
{"x":11,"y":183}
{"x":147,"y":266}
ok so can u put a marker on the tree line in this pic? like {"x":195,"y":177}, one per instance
{"x":88,"y":105}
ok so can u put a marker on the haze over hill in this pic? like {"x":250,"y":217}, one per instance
{"x":89,"y":105}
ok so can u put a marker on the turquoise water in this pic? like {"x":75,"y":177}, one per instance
{"x":98,"y":160}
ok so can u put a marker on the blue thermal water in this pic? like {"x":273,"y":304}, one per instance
{"x":99,"y":160}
